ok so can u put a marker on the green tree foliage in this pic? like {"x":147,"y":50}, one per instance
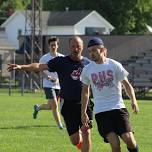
{"x":50,"y":5}
{"x":127,"y":16}
{"x":6,"y":5}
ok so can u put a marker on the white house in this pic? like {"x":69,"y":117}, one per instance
{"x":80,"y":22}
{"x":77,"y":23}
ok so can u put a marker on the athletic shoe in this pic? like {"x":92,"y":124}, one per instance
{"x":35,"y":111}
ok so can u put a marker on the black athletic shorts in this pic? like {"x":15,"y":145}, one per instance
{"x":113,"y":121}
{"x":51,"y":93}
{"x":71,"y":113}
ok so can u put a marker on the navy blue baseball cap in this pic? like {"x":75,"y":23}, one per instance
{"x":95,"y":41}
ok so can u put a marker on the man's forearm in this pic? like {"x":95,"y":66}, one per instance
{"x":33,"y":67}
{"x":131,"y":93}
{"x":84,"y":103}
{"x":84,"y":98}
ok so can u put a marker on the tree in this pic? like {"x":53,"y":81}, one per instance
{"x":7,"y":5}
{"x":127,"y":16}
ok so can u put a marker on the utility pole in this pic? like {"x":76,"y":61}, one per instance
{"x":32,"y":42}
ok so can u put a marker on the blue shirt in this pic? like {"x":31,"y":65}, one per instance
{"x":69,"y":72}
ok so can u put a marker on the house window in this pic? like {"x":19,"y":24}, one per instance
{"x":94,"y":30}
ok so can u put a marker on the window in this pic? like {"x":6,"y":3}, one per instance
{"x":94,"y":30}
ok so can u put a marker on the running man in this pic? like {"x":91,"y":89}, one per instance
{"x":106,"y":77}
{"x":50,"y":84}
{"x":69,"y":69}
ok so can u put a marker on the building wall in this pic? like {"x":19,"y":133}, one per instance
{"x":13,"y":27}
{"x":7,"y":57}
{"x":18,"y":23}
{"x":59,"y":30}
{"x":120,"y":48}
{"x":91,"y":21}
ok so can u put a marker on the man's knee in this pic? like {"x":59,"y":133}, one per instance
{"x":75,"y":138}
{"x":75,"y":141}
{"x":52,"y":104}
{"x":114,"y":142}
{"x":129,"y":140}
{"x":115,"y":146}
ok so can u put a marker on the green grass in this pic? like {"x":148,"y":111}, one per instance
{"x":20,"y":133}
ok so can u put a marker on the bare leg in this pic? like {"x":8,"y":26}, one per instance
{"x":45,"y":106}
{"x":37,"y":108}
{"x":56,"y":114}
{"x":129,"y":139}
{"x":78,"y":137}
{"x":114,"y":142}
{"x":86,"y":145}
{"x":52,"y":104}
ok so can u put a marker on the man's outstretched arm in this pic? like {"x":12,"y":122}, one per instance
{"x":29,"y":67}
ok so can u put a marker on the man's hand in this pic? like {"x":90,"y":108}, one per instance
{"x":135,"y":107}
{"x":52,"y":79}
{"x":14,"y":67}
{"x":86,"y":123}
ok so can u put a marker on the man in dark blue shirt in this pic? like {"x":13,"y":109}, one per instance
{"x":69,"y":69}
{"x":69,"y":76}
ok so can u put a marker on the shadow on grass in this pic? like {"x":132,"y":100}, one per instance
{"x":27,"y":127}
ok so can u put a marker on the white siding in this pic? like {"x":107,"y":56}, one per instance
{"x":6,"y":58}
{"x":12,"y":28}
{"x":59,"y":30}
{"x":90,"y":21}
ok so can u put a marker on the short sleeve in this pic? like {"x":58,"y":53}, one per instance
{"x":85,"y":77}
{"x":121,"y":72}
{"x":42,"y":60}
{"x":53,"y":64}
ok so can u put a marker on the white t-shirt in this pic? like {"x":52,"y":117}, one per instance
{"x":105,"y":80}
{"x":47,"y":83}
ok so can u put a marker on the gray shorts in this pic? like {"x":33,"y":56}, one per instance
{"x":51,"y":93}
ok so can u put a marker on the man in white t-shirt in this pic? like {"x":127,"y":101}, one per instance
{"x":106,"y":77}
{"x":50,"y":84}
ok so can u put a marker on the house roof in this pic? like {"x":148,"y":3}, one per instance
{"x":62,"y":18}
{"x":66,"y":18}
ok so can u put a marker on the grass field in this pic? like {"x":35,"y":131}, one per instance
{"x":20,"y":133}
